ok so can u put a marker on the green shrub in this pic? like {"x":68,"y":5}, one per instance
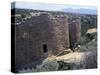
{"x":47,"y":65}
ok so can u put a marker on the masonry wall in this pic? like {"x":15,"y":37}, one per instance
{"x":74,"y":32}
{"x":33,"y":33}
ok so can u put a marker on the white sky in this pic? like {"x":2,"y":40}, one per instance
{"x":50,"y":6}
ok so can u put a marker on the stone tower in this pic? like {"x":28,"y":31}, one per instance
{"x":74,"y":32}
{"x":41,"y":36}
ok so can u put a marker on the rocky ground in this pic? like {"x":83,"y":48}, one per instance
{"x":77,"y":60}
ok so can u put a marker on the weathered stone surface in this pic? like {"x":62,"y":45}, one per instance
{"x":74,"y":32}
{"x":52,"y":30}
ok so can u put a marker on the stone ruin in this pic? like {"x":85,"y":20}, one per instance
{"x":44,"y":35}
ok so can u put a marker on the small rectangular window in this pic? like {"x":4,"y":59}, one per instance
{"x":45,"y":48}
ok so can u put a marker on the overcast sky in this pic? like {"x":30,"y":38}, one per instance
{"x":49,"y":6}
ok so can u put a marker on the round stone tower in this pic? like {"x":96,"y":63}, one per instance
{"x":74,"y":32}
{"x":41,"y":36}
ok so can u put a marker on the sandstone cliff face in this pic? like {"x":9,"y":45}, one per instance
{"x":52,"y":31}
